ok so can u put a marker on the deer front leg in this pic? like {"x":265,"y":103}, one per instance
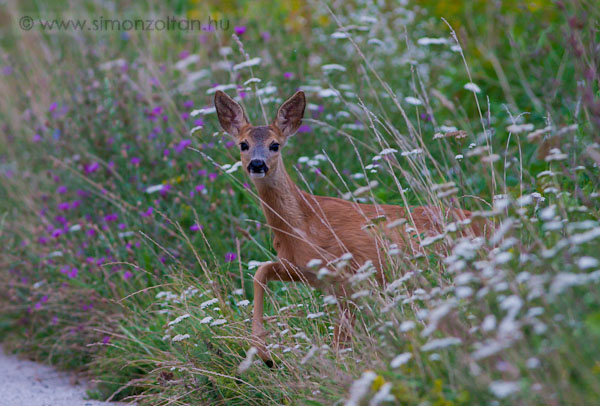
{"x":261,"y":277}
{"x":264,"y":274}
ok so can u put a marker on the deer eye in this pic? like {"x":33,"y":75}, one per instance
{"x":274,"y":147}
{"x":244,"y":146}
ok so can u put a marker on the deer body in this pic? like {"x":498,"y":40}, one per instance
{"x":306,"y":226}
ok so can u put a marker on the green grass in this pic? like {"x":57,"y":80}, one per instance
{"x":530,"y":299}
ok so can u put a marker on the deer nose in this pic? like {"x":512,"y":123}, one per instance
{"x":257,"y":166}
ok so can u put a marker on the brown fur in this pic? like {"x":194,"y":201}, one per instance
{"x":310,"y":227}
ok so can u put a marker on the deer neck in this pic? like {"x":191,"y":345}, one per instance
{"x":281,"y":200}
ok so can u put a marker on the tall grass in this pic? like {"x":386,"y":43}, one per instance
{"x":131,"y":237}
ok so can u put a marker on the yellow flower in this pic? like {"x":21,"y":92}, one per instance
{"x":378,"y":382}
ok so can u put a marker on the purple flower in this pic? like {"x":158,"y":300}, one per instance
{"x":147,"y":213}
{"x":182,"y":145}
{"x":184,"y":54}
{"x":135,"y":160}
{"x":288,"y":75}
{"x":73,"y":273}
{"x":200,"y":188}
{"x":166,"y":152}
{"x":44,"y":299}
{"x":111,"y":217}
{"x":61,"y":190}
{"x":165,"y":189}
{"x":202,"y":172}
{"x":188,"y":104}
{"x":196,"y":227}
{"x":239,"y":29}
{"x":212,"y":176}
{"x":7,"y":70}
{"x":304,"y":129}
{"x":185,"y":115}
{"x":121,"y":226}
{"x":64,"y":206}
{"x":52,"y":107}
{"x":127,"y":275}
{"x":265,"y":35}
{"x":230,"y":257}
{"x":93,"y":167}
{"x":229,"y":144}
{"x":243,"y":94}
{"x":105,"y":339}
{"x":198,"y":122}
{"x":37,"y":138}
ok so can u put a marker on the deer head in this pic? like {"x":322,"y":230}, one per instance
{"x":260,"y":146}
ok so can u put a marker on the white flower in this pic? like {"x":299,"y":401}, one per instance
{"x":243,"y":303}
{"x":407,"y":325}
{"x":178,"y":319}
{"x":180,"y":337}
{"x":332,"y":67}
{"x":206,"y":320}
{"x":383,"y":395}
{"x":533,"y":363}
{"x":314,"y":262}
{"x":519,"y":128}
{"x":360,"y":388}
{"x":330,"y":300}
{"x":111,"y":64}
{"x":400,"y":359}
{"x":489,"y":323}
{"x":315,"y":315}
{"x":208,"y":303}
{"x":247,"y":64}
{"x":339,"y":35}
{"x":218,"y":322}
{"x":204,"y":111}
{"x":440,"y":343}
{"x":413,"y":100}
{"x":194,"y":129}
{"x":388,"y":151}
{"x":587,"y":262}
{"x":502,"y":389}
{"x":328,"y":93}
{"x":247,"y":362}
{"x":435,"y":316}
{"x":472,"y":87}
{"x":233,"y":167}
{"x":432,"y":41}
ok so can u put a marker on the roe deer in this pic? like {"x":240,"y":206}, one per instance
{"x":305,"y":226}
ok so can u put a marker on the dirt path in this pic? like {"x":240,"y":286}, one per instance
{"x":27,"y":383}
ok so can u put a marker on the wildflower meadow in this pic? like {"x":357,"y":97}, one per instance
{"x":131,"y":232}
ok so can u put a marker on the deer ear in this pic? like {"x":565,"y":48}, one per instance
{"x":230,"y":113}
{"x":289,"y":115}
